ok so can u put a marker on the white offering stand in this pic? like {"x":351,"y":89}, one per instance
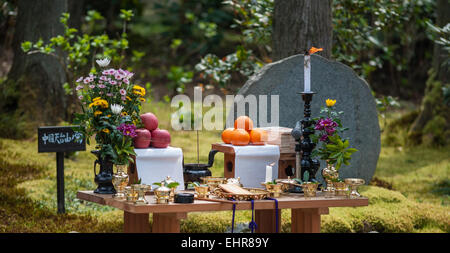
{"x":155,"y":164}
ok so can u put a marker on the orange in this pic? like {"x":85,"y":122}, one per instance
{"x":258,"y":136}
{"x":240,"y":137}
{"x":243,"y":122}
{"x":226,"y":135}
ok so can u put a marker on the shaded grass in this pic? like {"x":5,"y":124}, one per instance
{"x":417,"y":203}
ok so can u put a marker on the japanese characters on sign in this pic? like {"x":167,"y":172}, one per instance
{"x":60,"y":139}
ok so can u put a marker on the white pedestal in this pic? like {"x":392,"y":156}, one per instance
{"x":155,"y":164}
{"x":250,"y":163}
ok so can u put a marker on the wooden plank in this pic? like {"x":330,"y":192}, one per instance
{"x":167,"y":222}
{"x":223,"y":148}
{"x":266,"y":221}
{"x":136,"y":222}
{"x":295,"y":201}
{"x":92,"y":197}
{"x":305,"y":220}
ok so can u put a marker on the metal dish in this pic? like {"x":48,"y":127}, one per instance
{"x":256,"y":194}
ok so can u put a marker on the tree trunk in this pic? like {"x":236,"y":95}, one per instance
{"x":76,"y":10}
{"x":301,"y":24}
{"x":432,"y":125}
{"x":33,"y":92}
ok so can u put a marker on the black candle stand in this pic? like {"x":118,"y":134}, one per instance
{"x":304,"y":145}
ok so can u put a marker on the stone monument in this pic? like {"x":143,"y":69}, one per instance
{"x":329,"y":79}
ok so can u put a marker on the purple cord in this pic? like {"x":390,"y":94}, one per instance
{"x":253,"y":224}
{"x":232,"y":221}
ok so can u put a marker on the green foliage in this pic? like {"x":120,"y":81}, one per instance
{"x":179,"y":78}
{"x":369,"y":36}
{"x":82,"y":49}
{"x":337,"y":151}
{"x":441,"y":36}
{"x":333,"y":148}
{"x":384,"y":104}
{"x":255,"y":25}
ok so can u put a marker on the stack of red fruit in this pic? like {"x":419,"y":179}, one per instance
{"x":151,"y":135}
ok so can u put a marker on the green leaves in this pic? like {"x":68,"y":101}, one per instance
{"x":126,"y":14}
{"x":337,"y":152}
{"x":26,"y":46}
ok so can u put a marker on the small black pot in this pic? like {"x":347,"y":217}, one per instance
{"x":193,"y":172}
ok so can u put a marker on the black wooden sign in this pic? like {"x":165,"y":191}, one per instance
{"x":60,"y":139}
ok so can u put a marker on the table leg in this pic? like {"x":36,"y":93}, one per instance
{"x":135,"y":222}
{"x":228,"y":164}
{"x":306,"y":220}
{"x":167,"y":222}
{"x":266,"y":221}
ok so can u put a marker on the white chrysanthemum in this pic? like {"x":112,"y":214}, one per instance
{"x":103,"y":62}
{"x":116,"y":109}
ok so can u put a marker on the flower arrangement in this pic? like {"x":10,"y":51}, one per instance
{"x":110,"y":110}
{"x":332,"y":147}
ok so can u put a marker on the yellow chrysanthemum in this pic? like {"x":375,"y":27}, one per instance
{"x":99,"y":102}
{"x":106,"y":131}
{"x":142,"y":99}
{"x":330,"y":102}
{"x":97,"y":98}
{"x":96,"y":113}
{"x":109,"y":115}
{"x":138,"y":93}
{"x":128,"y":98}
{"x":124,"y":114}
{"x":138,"y":90}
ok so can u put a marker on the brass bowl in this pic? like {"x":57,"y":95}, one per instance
{"x":274,"y":189}
{"x":354,"y":183}
{"x":202,"y":191}
{"x":213,"y":182}
{"x":309,"y":189}
{"x":340,"y":188}
{"x":287,"y":184}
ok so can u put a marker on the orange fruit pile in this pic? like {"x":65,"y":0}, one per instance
{"x":243,"y":133}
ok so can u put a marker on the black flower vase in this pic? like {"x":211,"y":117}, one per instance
{"x":104,"y":178}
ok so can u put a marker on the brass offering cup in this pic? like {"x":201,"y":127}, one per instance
{"x":340,"y":188}
{"x":354,"y":183}
{"x":141,"y":190}
{"x":202,"y":191}
{"x":162,"y":194}
{"x":275,"y":190}
{"x":132,"y":193}
{"x":213,"y":182}
{"x":309,"y":189}
{"x":128,"y":193}
{"x":287,"y":184}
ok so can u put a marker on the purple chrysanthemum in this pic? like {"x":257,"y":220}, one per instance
{"x":127,"y":129}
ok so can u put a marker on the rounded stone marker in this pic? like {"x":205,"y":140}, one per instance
{"x":329,"y":79}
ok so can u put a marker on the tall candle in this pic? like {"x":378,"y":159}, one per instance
{"x":268,"y":173}
{"x":307,"y":73}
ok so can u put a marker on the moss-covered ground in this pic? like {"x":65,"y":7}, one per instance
{"x":409,"y":193}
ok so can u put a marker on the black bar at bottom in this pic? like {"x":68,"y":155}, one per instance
{"x":60,"y":181}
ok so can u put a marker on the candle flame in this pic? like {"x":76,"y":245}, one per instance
{"x":315,"y":50}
